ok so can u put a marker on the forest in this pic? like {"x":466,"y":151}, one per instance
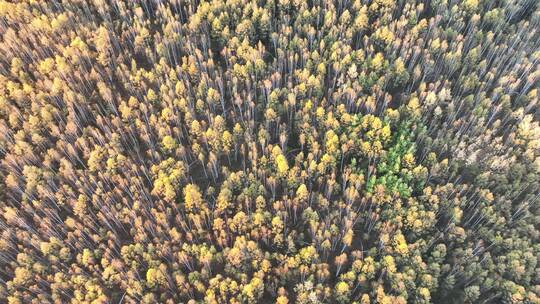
{"x":269,"y":151}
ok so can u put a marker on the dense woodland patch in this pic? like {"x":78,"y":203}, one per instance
{"x":288,"y":151}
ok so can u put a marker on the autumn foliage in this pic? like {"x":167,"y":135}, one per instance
{"x":283,"y":151}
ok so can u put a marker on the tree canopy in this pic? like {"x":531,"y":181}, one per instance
{"x":254,"y":151}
